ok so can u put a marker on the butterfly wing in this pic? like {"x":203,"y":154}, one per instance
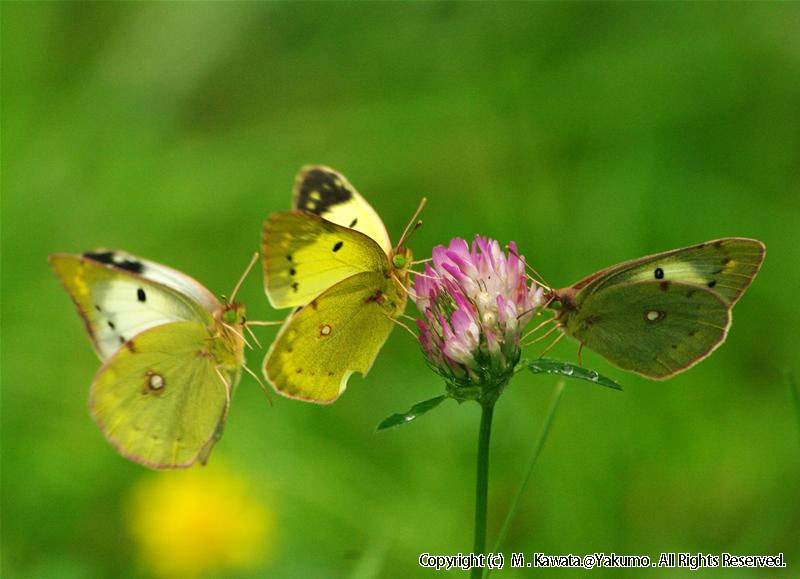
{"x":727,"y":266}
{"x":159,"y":400}
{"x":328,"y":193}
{"x":119,"y":296}
{"x":303,"y":255}
{"x":339,"y":333}
{"x":655,"y":329}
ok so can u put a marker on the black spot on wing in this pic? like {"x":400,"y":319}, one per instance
{"x":338,"y":246}
{"x":111,"y":325}
{"x":116,"y":260}
{"x":712,"y":283}
{"x":140,"y":295}
{"x":353,"y":222}
{"x":659,"y":273}
{"x":295,"y":286}
{"x":320,"y":190}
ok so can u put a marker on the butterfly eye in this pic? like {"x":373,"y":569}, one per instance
{"x":399,"y":261}
{"x":229,"y":316}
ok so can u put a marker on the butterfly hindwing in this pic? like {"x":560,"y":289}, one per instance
{"x":661,"y":314}
{"x":327,"y":193}
{"x":726,"y":266}
{"x":117,"y":302}
{"x":303,"y":255}
{"x":338,"y":333}
{"x":167,"y":345}
{"x":656,"y":329}
{"x":159,"y":399}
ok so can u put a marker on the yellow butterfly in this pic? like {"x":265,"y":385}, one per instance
{"x":331,"y":258}
{"x":172,"y":355}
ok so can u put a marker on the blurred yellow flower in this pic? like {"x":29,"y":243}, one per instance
{"x":200,"y":521}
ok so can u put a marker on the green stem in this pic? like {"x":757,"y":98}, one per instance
{"x":548,"y":421}
{"x":482,"y":486}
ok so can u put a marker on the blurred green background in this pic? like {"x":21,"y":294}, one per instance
{"x":589,"y":133}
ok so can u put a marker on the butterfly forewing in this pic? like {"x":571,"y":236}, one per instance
{"x":327,"y":193}
{"x":117,"y":302}
{"x":159,"y":399}
{"x":726,"y":266}
{"x":303,"y":255}
{"x":656,"y":329}
{"x":338,"y":333}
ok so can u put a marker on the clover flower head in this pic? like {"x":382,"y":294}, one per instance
{"x":475,"y":301}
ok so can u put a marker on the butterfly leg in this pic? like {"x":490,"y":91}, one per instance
{"x":260,"y":383}
{"x":534,"y":330}
{"x":402,"y":325}
{"x":553,"y":343}
{"x":225,"y":384}
{"x":253,"y":335}
{"x":540,"y":338}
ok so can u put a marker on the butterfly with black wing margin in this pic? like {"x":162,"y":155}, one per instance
{"x":331,"y":259}
{"x":172,"y":355}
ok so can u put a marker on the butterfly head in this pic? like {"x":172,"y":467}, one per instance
{"x":401,"y":262}
{"x":401,"y":258}
{"x":233,"y":314}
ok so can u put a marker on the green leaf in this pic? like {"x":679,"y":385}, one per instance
{"x":416,"y":411}
{"x":548,"y":366}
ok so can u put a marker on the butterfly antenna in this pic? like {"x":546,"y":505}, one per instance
{"x":421,"y":261}
{"x":541,"y":281}
{"x":553,"y":343}
{"x":580,"y":359}
{"x":402,"y":325}
{"x":263,"y":322}
{"x":260,"y":383}
{"x":244,"y":275}
{"x":412,"y":225}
